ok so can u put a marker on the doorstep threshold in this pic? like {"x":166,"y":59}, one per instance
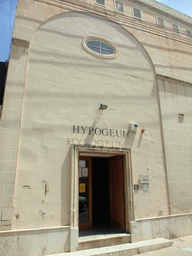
{"x":102,"y":236}
{"x":104,"y":240}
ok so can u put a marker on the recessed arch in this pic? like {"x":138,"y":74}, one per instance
{"x":101,"y":17}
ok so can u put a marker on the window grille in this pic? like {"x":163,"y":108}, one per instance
{"x":175,"y":28}
{"x":137,"y":13}
{"x":101,"y":2}
{"x":160,"y":22}
{"x":189,"y":33}
{"x":119,"y":6}
{"x":100,"y":47}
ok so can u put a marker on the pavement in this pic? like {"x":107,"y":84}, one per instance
{"x":181,"y":247}
{"x":156,"y":247}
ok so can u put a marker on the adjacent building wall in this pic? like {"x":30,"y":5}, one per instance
{"x":176,"y":105}
{"x":9,"y":129}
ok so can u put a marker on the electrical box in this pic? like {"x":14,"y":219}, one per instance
{"x":133,"y":127}
{"x":144,"y":181}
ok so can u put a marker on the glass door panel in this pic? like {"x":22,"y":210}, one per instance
{"x":83,"y":191}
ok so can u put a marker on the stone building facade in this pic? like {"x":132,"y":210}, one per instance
{"x":97,"y":107}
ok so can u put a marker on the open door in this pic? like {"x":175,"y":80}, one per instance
{"x":85,"y":193}
{"x":101,"y":192}
{"x":116,"y":192}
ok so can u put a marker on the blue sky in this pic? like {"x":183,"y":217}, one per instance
{"x":184,"y":6}
{"x":7,"y":15}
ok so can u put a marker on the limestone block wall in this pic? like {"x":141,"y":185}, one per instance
{"x":169,"y":227}
{"x":10,"y":129}
{"x":30,"y":15}
{"x":35,"y":242}
{"x":176,"y":99}
{"x":169,"y":51}
{"x":171,"y":58}
{"x":65,"y":86}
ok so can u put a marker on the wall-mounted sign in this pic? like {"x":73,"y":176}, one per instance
{"x":100,"y":131}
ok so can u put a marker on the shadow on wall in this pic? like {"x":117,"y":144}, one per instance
{"x":3,"y":75}
{"x":90,"y":137}
{"x":17,"y":54}
{"x":82,"y":61}
{"x":165,"y":49}
{"x":66,"y":189}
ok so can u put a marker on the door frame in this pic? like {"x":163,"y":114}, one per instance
{"x":88,"y":225}
{"x":76,"y":150}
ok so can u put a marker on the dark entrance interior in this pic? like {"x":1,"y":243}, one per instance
{"x":101,"y":193}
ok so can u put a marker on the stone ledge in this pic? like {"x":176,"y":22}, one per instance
{"x":124,"y":249}
{"x":173,"y":80}
{"x":149,"y":4}
{"x":21,"y":42}
{"x":44,"y":229}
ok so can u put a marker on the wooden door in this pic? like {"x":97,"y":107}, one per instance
{"x":116,"y":192}
{"x":85,"y":193}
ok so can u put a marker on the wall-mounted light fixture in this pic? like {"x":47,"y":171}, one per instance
{"x":102,"y":106}
{"x":181,"y":115}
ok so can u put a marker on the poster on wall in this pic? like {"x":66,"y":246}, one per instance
{"x":82,"y":188}
{"x":84,"y":172}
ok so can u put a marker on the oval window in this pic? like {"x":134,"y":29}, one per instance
{"x":99,"y":47}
